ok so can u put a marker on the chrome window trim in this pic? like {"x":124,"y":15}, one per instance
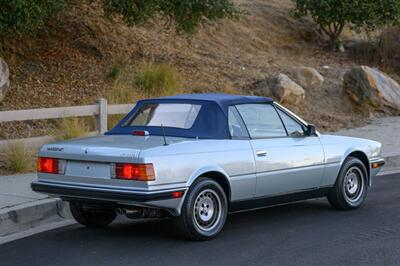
{"x":294,"y":116}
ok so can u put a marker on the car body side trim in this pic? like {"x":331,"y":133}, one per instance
{"x":278,"y":199}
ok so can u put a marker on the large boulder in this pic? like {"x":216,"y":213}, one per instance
{"x":4,"y":78}
{"x":281,"y":88}
{"x":365,"y":85}
{"x":307,"y":77}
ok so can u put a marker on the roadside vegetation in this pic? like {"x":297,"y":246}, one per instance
{"x":26,"y":17}
{"x":71,"y":128}
{"x":158,"y":80}
{"x":16,"y":157}
{"x":149,"y":80}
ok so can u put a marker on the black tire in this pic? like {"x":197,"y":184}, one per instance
{"x":351,"y":186}
{"x":204,"y":211}
{"x":91,"y":218}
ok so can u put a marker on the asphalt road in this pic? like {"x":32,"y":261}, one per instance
{"x":306,"y":233}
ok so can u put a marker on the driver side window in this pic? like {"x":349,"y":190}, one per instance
{"x":262,"y":120}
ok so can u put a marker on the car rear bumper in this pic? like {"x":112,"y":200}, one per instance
{"x":163,"y":199}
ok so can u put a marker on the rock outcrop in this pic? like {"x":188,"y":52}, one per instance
{"x":307,"y":77}
{"x":282,"y":89}
{"x":365,"y":85}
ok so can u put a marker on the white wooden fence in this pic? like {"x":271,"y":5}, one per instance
{"x":100,"y":110}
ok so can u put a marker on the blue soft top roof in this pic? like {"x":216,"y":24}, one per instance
{"x":221,"y":99}
{"x":211,"y":122}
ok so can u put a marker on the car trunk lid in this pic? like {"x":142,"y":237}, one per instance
{"x":94,"y":156}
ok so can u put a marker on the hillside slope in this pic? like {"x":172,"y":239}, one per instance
{"x":68,"y":62}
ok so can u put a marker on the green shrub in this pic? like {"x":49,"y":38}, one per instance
{"x":17,"y":157}
{"x":158,"y":80}
{"x":18,"y":17}
{"x":186,"y":15}
{"x":333,"y":15}
{"x":115,"y":71}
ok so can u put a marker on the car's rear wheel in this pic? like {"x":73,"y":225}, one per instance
{"x":204,"y":210}
{"x":351,"y":186}
{"x":91,"y":217}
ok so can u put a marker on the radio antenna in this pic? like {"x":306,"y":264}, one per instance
{"x":165,"y":138}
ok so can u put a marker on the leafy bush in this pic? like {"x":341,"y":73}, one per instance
{"x":185,"y":15}
{"x":17,"y":157}
{"x":333,"y":15}
{"x":158,"y":80}
{"x":18,"y":17}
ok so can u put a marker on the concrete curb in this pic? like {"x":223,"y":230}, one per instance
{"x":30,"y":215}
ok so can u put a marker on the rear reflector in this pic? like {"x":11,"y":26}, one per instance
{"x":48,"y":165}
{"x":138,"y":172}
{"x":177,"y":194}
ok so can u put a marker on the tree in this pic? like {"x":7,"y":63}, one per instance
{"x":333,"y":15}
{"x":19,"y":17}
{"x":186,"y":15}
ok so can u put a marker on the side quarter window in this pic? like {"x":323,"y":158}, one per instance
{"x":236,"y":127}
{"x":294,"y":128}
{"x":262,"y":120}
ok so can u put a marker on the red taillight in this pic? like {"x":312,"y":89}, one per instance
{"x":139,"y":172}
{"x":47,"y":165}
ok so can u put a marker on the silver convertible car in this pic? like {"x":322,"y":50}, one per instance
{"x":198,"y":157}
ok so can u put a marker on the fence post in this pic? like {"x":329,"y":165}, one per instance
{"x":102,"y":116}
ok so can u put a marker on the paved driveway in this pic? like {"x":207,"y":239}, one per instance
{"x":307,"y":233}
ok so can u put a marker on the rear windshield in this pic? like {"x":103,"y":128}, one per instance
{"x":166,"y":114}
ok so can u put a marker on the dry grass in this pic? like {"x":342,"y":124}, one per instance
{"x":389,"y":49}
{"x":17,"y":158}
{"x":122,"y":91}
{"x":383,"y":50}
{"x":71,"y":128}
{"x":150,"y":80}
{"x":158,"y":80}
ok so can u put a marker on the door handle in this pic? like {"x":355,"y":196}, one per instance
{"x":261,"y":153}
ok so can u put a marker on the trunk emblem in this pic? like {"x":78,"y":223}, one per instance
{"x":86,"y":151}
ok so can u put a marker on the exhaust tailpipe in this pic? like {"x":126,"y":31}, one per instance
{"x":128,"y":212}
{"x":119,"y":211}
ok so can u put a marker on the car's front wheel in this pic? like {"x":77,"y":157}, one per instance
{"x":91,"y":217}
{"x":351,"y":186}
{"x":204,"y":210}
